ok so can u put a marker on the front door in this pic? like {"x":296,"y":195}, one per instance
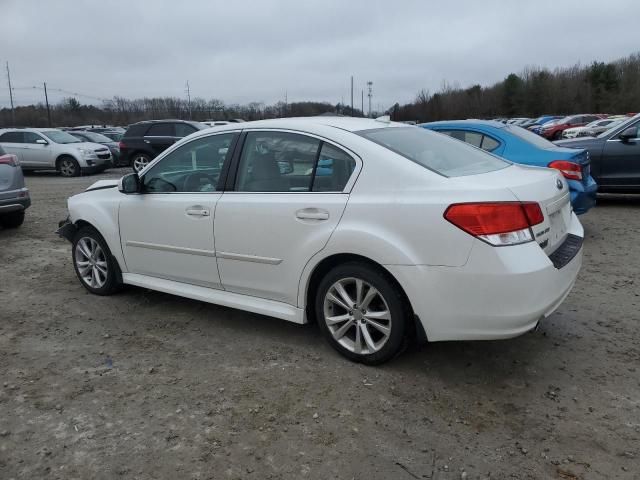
{"x":167,"y":230}
{"x":37,"y":154}
{"x":289,"y":195}
{"x":620,"y":163}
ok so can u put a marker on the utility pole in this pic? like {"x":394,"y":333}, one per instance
{"x":189,"y":98}
{"x":286,"y":103}
{"x":352,"y":95}
{"x":46,"y":99}
{"x":362,"y":102}
{"x":13,"y":113}
{"x":370,"y":94}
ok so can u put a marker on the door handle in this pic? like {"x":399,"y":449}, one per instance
{"x":147,"y":141}
{"x":312,"y":214}
{"x":197,"y":211}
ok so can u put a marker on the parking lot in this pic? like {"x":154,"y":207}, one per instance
{"x":148,"y":385}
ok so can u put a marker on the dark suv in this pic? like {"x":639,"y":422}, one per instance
{"x":143,"y":141}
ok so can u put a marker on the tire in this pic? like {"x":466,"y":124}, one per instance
{"x":139,"y":161}
{"x":95,"y":267}
{"x":12,"y":220}
{"x":68,"y":167}
{"x":557,"y":136}
{"x":385,"y":333}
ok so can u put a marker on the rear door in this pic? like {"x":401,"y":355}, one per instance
{"x":289,"y":193}
{"x":12,"y":142}
{"x":160,"y":136}
{"x":620,"y":162}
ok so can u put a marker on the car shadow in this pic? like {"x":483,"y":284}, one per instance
{"x":617,"y":200}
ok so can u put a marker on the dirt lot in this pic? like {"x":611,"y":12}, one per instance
{"x":147,"y":385}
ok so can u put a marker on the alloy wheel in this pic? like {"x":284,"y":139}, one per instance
{"x":67,"y":167}
{"x":357,"y":316}
{"x":91,"y":262}
{"x":140,"y":162}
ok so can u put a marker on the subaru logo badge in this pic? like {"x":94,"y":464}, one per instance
{"x":559,"y":183}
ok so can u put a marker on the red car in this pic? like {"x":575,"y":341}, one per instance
{"x":553,"y":131}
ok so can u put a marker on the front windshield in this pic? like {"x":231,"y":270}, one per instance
{"x":529,"y":136}
{"x":58,"y":136}
{"x":440,"y":153}
{"x":612,"y":126}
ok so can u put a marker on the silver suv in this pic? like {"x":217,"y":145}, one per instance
{"x":48,"y":148}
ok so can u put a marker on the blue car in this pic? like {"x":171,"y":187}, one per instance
{"x":522,"y":146}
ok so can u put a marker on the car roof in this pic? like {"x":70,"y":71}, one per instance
{"x":350,"y":124}
{"x":466,"y":123}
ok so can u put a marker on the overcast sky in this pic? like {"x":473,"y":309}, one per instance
{"x":242,"y":51}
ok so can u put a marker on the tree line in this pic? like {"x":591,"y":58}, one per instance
{"x":597,"y":88}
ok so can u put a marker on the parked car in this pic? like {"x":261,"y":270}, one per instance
{"x":554,"y":130}
{"x":615,"y":156}
{"x":595,"y":131}
{"x":14,"y":196}
{"x":393,"y":244}
{"x":102,"y":140}
{"x":114,"y":135}
{"x":522,"y":146}
{"x":574,"y":132}
{"x":48,"y":148}
{"x":143,"y":141}
{"x":538,"y":122}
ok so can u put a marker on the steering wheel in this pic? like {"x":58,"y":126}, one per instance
{"x":193,"y":181}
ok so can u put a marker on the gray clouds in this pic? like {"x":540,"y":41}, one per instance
{"x":245,"y":51}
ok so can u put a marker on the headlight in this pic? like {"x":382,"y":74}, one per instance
{"x":87,"y":153}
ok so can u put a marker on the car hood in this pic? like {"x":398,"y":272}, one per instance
{"x":89,"y":146}
{"x":580,"y":142}
{"x":102,"y":184}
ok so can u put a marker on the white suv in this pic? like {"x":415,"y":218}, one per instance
{"x":48,"y":148}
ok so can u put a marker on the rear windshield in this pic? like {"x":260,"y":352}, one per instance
{"x":529,"y":137}
{"x":439,"y":153}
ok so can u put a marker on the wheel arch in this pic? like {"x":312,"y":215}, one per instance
{"x":321,"y":268}
{"x":63,"y":155}
{"x":84,"y":223}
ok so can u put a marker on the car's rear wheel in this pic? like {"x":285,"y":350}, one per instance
{"x":96,"y":268}
{"x":362,"y":313}
{"x":557,"y":135}
{"x":140,"y":160}
{"x":12,"y":220}
{"x":68,"y":167}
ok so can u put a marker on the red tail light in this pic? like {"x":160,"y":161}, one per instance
{"x":499,"y":223}
{"x":10,"y":160}
{"x":569,"y":170}
{"x":121,"y":145}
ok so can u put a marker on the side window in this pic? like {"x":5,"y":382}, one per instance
{"x":12,"y":137}
{"x":184,"y":129}
{"x":277,"y":162}
{"x":161,"y":130}
{"x":30,"y":137}
{"x":471,"y":138}
{"x":193,"y":167}
{"x":333,"y":171}
{"x":489,"y":144}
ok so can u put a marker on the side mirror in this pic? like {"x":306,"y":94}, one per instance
{"x":42,"y":141}
{"x":129,"y":184}
{"x":628,"y":134}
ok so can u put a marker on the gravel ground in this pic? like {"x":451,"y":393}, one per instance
{"x":148,"y":385}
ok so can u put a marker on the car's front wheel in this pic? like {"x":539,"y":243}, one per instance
{"x":97,"y":270}
{"x":362,"y":313}
{"x":68,"y":167}
{"x":140,"y":160}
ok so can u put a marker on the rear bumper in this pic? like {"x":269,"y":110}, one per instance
{"x":501,"y":292}
{"x":583,"y":197}
{"x":19,"y":201}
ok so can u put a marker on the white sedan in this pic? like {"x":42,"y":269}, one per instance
{"x":379,"y":231}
